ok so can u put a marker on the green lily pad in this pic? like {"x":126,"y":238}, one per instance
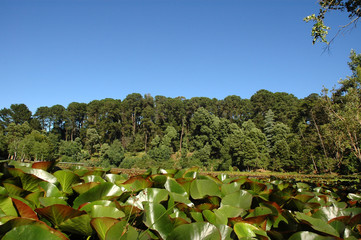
{"x":79,"y":225}
{"x":201,"y":188}
{"x":30,"y":232}
{"x":103,"y":191}
{"x":156,"y":218}
{"x":66,"y":179}
{"x":198,"y":230}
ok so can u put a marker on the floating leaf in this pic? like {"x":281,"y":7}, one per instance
{"x":6,"y":205}
{"x":79,"y":225}
{"x":241,"y":199}
{"x":58,"y":213}
{"x":48,"y":201}
{"x":317,"y":224}
{"x":30,"y":232}
{"x":135,"y":184}
{"x":93,"y":178}
{"x":24,"y":210}
{"x":44,"y":175}
{"x":66,"y":179}
{"x":15,"y":223}
{"x":121,"y":231}
{"x":46,"y":165}
{"x":156,"y":218}
{"x":201,"y":188}
{"x":103,"y":191}
{"x":309,"y":236}
{"x":198,"y":230}
{"x":148,"y":195}
{"x":106,"y":211}
{"x":50,"y":189}
{"x":82,"y":188}
{"x":102,"y":225}
{"x":244,"y":230}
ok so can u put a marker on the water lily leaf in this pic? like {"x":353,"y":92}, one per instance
{"x":309,"y":236}
{"x":31,"y":232}
{"x":121,"y":231}
{"x":88,"y":207}
{"x":197,"y":216}
{"x":181,"y":199}
{"x":106,"y":211}
{"x":173,"y":186}
{"x":244,"y":230}
{"x":102,"y":225}
{"x":58,"y":213}
{"x":240,"y":199}
{"x":19,"y":221}
{"x":46,"y":166}
{"x":187,"y":173}
{"x":156,"y":218}
{"x":158,"y":180}
{"x":50,"y":189}
{"x":103,"y":191}
{"x":230,"y":188}
{"x":255,"y":187}
{"x":353,"y":196}
{"x":230,"y":211}
{"x":135,"y":184}
{"x":317,"y":224}
{"x":82,"y":188}
{"x":48,"y":201}
{"x":6,"y":205}
{"x":148,"y":195}
{"x":29,"y":182}
{"x":34,"y":198}
{"x":113,"y":178}
{"x":98,"y":171}
{"x":327,"y":213}
{"x":260,"y":211}
{"x":302,"y":186}
{"x":225,"y":231}
{"x":79,"y":225}
{"x":198,"y":230}
{"x":24,"y":210}
{"x":44,"y":175}
{"x":14,"y":190}
{"x":66,"y":179}
{"x":216,"y":217}
{"x":93,"y":178}
{"x":201,"y":188}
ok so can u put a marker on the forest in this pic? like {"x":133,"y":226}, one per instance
{"x":270,"y":131}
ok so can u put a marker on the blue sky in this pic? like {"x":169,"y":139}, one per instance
{"x":60,"y":51}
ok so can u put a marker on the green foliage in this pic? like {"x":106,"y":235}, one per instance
{"x":172,"y":204}
{"x":320,"y":30}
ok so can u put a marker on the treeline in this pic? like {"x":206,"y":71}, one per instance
{"x":271,"y":131}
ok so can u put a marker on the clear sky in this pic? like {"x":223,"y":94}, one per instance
{"x":60,"y":51}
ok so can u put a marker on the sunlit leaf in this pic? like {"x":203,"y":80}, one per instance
{"x":201,"y":188}
{"x":79,"y":225}
{"x":156,"y":218}
{"x":102,"y":225}
{"x":198,"y":230}
{"x":30,"y":232}
{"x":24,"y":210}
{"x":66,"y":179}
{"x":58,"y":213}
{"x":103,"y":191}
{"x":241,"y":199}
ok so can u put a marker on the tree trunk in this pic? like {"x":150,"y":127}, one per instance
{"x":181,"y":137}
{"x":319,"y":135}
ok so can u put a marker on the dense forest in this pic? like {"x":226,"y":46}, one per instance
{"x":270,"y":131}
